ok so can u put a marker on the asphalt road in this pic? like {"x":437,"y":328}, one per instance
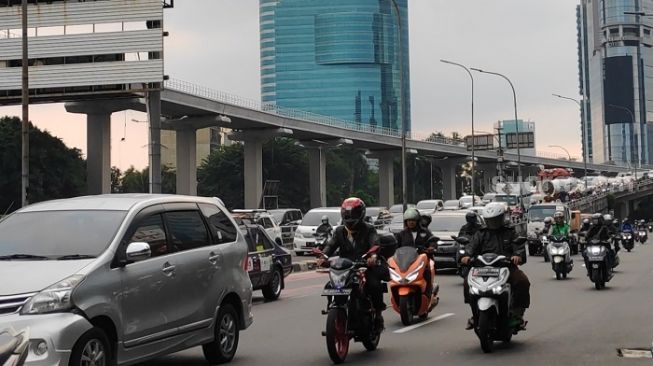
{"x":569,"y":323}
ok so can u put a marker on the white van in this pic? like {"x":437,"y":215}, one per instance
{"x":304,"y":241}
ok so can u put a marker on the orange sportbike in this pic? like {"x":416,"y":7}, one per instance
{"x":408,"y":285}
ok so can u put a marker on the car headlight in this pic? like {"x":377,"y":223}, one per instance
{"x":394,"y":275}
{"x":412,"y":276}
{"x":55,"y":298}
{"x":298,"y":235}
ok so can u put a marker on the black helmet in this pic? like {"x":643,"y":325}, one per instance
{"x":325,"y":219}
{"x":352,"y":212}
{"x":470,"y":217}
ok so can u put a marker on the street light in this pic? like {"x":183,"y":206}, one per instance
{"x":514,"y":96}
{"x":471,"y":76}
{"x":632,"y":122}
{"x":583,"y":121}
{"x":565,"y":150}
{"x":402,"y":104}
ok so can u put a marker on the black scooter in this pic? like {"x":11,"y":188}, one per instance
{"x":600,"y":267}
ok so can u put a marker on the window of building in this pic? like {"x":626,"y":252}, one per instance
{"x":151,"y":230}
{"x":187,"y":230}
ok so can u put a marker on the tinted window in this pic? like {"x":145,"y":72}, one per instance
{"x":221,"y":227}
{"x":447,"y":223}
{"x":314,"y":218}
{"x":151,"y":230}
{"x":266,"y":222}
{"x":59,"y":233}
{"x":257,"y":241}
{"x":187,"y":230}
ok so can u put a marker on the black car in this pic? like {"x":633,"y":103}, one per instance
{"x":267,"y":263}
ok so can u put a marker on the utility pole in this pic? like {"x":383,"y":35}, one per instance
{"x":25,"y":122}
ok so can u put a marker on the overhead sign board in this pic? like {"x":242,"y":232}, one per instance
{"x":480,"y":142}
{"x":526,"y":140}
{"x":82,"y":48}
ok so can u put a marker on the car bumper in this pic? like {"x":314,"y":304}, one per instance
{"x":58,"y":331}
{"x":442,"y":261}
{"x":303,"y":244}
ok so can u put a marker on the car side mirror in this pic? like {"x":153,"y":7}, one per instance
{"x":138,"y":251}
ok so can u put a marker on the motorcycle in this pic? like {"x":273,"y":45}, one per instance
{"x":408,"y":284}
{"x":13,"y":347}
{"x":628,"y":241}
{"x":535,"y":246}
{"x":559,"y":252}
{"x":321,"y":240}
{"x":491,"y":296}
{"x":545,"y":244}
{"x":642,"y":236}
{"x":650,"y":228}
{"x":349,"y":311}
{"x":597,"y":262}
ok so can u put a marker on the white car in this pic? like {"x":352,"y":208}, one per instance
{"x":304,"y":241}
{"x":451,"y":205}
{"x":427,"y":207}
{"x":263,"y":218}
{"x":469,"y":201}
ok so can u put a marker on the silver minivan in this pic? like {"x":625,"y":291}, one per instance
{"x":120,"y":279}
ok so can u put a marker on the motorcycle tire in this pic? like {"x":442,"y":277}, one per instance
{"x":599,"y":285}
{"x":564,"y":275}
{"x":371,"y":342}
{"x":406,"y":310}
{"x":337,"y":338}
{"x":558,"y":276}
{"x":628,"y":250}
{"x":486,"y":320}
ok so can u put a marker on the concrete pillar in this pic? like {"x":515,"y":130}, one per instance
{"x":448,"y":169}
{"x":317,"y":177}
{"x":386,"y":179}
{"x":98,"y":153}
{"x":186,"y":162}
{"x":154,"y":147}
{"x":253,"y":172}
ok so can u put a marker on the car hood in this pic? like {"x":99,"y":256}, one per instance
{"x":445,"y":235}
{"x":34,"y":276}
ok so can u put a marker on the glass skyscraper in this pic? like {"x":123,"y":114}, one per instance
{"x":336,"y":58}
{"x":615,"y":62}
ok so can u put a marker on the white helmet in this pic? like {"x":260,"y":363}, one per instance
{"x":494,"y":214}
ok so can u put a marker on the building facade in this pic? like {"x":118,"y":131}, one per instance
{"x":509,"y":127}
{"x":616,"y":80}
{"x":336,"y":58}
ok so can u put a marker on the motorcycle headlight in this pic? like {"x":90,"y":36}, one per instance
{"x":595,"y":250}
{"x":338,"y":279}
{"x":412,"y":276}
{"x":473,"y":290}
{"x":394,"y":275}
{"x":56,"y":298}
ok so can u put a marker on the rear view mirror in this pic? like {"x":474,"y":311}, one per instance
{"x":462,"y":240}
{"x":138,"y":251}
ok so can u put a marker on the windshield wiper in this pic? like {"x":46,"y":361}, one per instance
{"x":22,"y":256}
{"x":75,"y":256}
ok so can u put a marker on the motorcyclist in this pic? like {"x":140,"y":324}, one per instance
{"x":471,"y":227}
{"x":325,"y":227}
{"x":498,"y":237}
{"x":560,"y":227}
{"x":626,"y":227}
{"x":585,"y":227}
{"x":416,"y":235}
{"x":641,"y":226}
{"x":602,"y":230}
{"x":548,"y":221}
{"x":353,"y":240}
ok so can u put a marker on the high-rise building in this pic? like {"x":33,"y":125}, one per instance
{"x":616,"y":80}
{"x":336,"y":58}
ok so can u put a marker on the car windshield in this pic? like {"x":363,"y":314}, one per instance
{"x":373,"y":211}
{"x":426,"y":205}
{"x":398,"y":219}
{"x":57,"y":234}
{"x":447,"y":223}
{"x":314,"y":218}
{"x":278,"y":215}
{"x":539,"y":213}
{"x":396,"y":209}
{"x":510,"y":200}
{"x":452,"y":204}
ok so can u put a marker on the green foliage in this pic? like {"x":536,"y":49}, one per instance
{"x":287,"y":162}
{"x":135,"y":181}
{"x":56,"y":171}
{"x":221,"y":175}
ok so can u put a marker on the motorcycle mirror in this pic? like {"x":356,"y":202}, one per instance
{"x":373,"y":249}
{"x":462,"y":240}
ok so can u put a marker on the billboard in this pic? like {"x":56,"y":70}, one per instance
{"x":82,"y":48}
{"x":618,"y":89}
{"x":480,"y":142}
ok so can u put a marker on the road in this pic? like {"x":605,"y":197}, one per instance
{"x":569,"y":323}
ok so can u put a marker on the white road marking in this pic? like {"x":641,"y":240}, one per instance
{"x":419,"y":325}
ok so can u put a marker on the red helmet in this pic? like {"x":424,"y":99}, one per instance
{"x":352,"y":212}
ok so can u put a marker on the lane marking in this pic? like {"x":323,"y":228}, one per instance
{"x":419,"y":325}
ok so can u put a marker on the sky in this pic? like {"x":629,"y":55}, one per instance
{"x":215,"y":43}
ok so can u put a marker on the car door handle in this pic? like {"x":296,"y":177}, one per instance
{"x":214,"y":258}
{"x":168,"y":269}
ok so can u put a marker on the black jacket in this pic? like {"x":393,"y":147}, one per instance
{"x":501,"y":242}
{"x":600,"y":232}
{"x":468,"y":230}
{"x":365,"y":237}
{"x":405,"y":238}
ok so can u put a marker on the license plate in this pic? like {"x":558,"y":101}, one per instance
{"x":310,"y":244}
{"x":336,"y":292}
{"x":597,"y":259}
{"x":486,"y":272}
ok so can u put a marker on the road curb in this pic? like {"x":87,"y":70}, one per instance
{"x":304,"y":266}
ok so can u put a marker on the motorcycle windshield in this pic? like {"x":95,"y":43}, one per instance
{"x":342,"y":264}
{"x":405,"y":256}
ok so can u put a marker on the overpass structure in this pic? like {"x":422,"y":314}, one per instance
{"x":187,"y":107}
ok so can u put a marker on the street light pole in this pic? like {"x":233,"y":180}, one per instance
{"x":632,"y":122}
{"x":583,"y":121}
{"x":402,"y":102}
{"x":25,"y":106}
{"x":514,"y":97}
{"x":471,"y":77}
{"x":566,"y":151}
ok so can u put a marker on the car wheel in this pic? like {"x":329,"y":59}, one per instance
{"x":272,"y":291}
{"x":224,"y":346}
{"x":92,"y":349}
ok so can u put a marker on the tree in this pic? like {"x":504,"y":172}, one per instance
{"x":221,"y":175}
{"x":116,"y":176}
{"x":434,"y":137}
{"x":456,"y":136}
{"x":134,"y":181}
{"x":56,"y":171}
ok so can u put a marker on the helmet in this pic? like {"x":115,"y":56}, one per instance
{"x":625,"y":220}
{"x":495,"y":215}
{"x":597,"y":219}
{"x":325,"y":219}
{"x":425,"y":221}
{"x":470,"y":217}
{"x":352,"y":212}
{"x":586,"y":221}
{"x":548,"y":221}
{"x":411,"y":214}
{"x":559,"y":217}
{"x":642,"y":221}
{"x":609,"y":220}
